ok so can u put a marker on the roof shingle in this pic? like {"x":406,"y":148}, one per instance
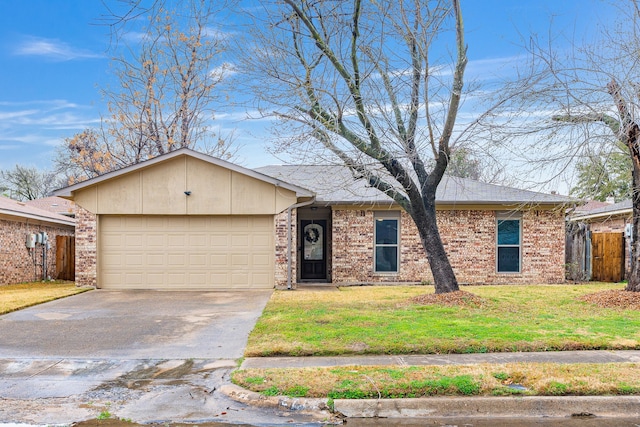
{"x":334,"y":184}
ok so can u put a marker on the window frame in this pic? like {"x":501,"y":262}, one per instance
{"x":387,"y":215}
{"x":509,"y":216}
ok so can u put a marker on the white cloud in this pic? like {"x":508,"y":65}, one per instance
{"x":226,"y":69}
{"x":53,"y":49}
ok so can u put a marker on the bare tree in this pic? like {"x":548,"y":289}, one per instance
{"x":27,"y":183}
{"x":567,"y":104}
{"x":371,"y":83}
{"x":168,"y":74}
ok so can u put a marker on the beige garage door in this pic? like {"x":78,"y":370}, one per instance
{"x":186,"y":252}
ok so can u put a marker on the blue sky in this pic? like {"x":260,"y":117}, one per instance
{"x":53,"y":56}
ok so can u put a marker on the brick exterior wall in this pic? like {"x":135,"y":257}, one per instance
{"x":469,"y":237}
{"x":16,"y":262}
{"x":86,"y":249}
{"x":281,"y":249}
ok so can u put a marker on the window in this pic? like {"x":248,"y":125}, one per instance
{"x":386,"y":242}
{"x":509,"y":238}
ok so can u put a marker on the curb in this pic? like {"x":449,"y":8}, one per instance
{"x":512,"y":407}
{"x":315,"y":407}
{"x":443,"y":407}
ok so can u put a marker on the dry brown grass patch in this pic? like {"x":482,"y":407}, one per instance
{"x":614,"y":298}
{"x":542,"y":379}
{"x":450,"y":299}
{"x":19,"y":296}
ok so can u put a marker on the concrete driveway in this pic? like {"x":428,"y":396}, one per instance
{"x":140,"y":355}
{"x":135,"y":325}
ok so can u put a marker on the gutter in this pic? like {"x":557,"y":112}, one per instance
{"x":289,"y":236}
{"x":41,"y":218}
{"x":624,"y":211}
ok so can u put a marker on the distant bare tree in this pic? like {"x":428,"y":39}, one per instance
{"x":168,"y":73}
{"x":368,"y":82}
{"x":27,"y":183}
{"x":568,"y":104}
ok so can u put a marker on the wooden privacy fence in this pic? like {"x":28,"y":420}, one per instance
{"x":577,"y":251}
{"x":607,"y":251}
{"x":65,"y":258}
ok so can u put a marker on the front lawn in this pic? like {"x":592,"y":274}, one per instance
{"x":16,"y":297}
{"x":383,"y":320}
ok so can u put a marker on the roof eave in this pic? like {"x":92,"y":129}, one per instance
{"x":19,"y":214}
{"x":617,"y":212}
{"x":448,"y":202}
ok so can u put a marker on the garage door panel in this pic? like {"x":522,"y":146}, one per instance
{"x":155,"y":259}
{"x":134,"y":260}
{"x":155,"y":241}
{"x":260,"y":260}
{"x":176,"y":240}
{"x":260,"y":240}
{"x":133,"y":222}
{"x":181,"y":252}
{"x":177,"y":259}
{"x":198,"y":260}
{"x":198,"y":279}
{"x":220,"y":240}
{"x":133,"y":278}
{"x":239,"y":241}
{"x":112,"y":260}
{"x":239,"y":260}
{"x":199,"y":240}
{"x":239,"y":279}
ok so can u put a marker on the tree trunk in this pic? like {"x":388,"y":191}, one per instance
{"x":634,"y":278}
{"x":443,"y":276}
{"x":629,"y":134}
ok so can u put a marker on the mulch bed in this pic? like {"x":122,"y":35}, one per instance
{"x":451,"y":299}
{"x":614,"y":298}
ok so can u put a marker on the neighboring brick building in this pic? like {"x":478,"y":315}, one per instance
{"x":17,"y":220}
{"x":347,"y":214}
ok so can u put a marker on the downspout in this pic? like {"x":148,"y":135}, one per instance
{"x":289,"y":237}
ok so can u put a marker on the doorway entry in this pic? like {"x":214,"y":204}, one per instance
{"x":314,"y":248}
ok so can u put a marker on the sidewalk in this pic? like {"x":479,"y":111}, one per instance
{"x":591,"y":356}
{"x":433,"y":407}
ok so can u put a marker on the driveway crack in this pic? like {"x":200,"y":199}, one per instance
{"x":46,"y":369}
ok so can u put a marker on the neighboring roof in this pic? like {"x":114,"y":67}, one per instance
{"x":21,"y":210}
{"x":300,"y":191}
{"x":621,"y":208}
{"x":589,"y":206}
{"x":54,"y":204}
{"x":334,"y":184}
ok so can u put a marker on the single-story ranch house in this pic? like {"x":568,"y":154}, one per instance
{"x":186,"y":220}
{"x":18,"y":220}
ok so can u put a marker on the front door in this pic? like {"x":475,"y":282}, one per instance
{"x":314,"y":249}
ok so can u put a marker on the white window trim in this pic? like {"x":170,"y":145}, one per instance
{"x":502,"y":216}
{"x":386,"y":215}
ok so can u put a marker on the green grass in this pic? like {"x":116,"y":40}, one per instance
{"x":527,"y":379}
{"x":380,"y":320}
{"x":19,"y":296}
